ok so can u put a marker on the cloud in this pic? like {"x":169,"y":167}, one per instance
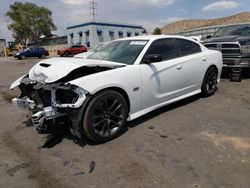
{"x":154,"y":2}
{"x":220,"y":5}
{"x":150,"y":25}
{"x":75,"y":2}
{"x":174,"y":19}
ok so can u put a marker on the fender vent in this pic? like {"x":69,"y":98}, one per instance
{"x":44,"y":65}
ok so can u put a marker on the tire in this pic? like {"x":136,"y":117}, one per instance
{"x":105,"y":116}
{"x":23,"y":57}
{"x":209,"y":84}
{"x":43,"y":56}
{"x":66,"y":54}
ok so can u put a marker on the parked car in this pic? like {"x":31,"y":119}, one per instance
{"x":123,"y":81}
{"x":32,"y":52}
{"x":234,"y":43}
{"x":84,"y":55}
{"x":75,"y":49}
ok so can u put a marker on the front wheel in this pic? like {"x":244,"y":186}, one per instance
{"x":105,"y":116}
{"x":66,"y":54}
{"x":23,"y":57}
{"x":209,"y":84}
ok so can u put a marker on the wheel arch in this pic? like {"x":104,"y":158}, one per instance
{"x":217,"y":69}
{"x":119,"y":90}
{"x":213,"y":65}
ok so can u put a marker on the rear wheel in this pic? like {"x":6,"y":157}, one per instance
{"x":209,"y":84}
{"x":105,"y":116}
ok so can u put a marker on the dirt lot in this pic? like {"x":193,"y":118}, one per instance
{"x":195,"y":143}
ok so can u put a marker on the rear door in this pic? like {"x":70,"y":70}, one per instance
{"x":193,"y":65}
{"x":75,"y":49}
{"x":30,"y":52}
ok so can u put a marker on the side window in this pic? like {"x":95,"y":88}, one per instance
{"x":187,"y":47}
{"x":165,"y":47}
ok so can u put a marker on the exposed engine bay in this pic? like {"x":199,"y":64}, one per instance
{"x":49,"y":101}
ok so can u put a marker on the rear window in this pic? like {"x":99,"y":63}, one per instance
{"x":187,"y":47}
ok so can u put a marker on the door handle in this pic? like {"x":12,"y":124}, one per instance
{"x":179,"y":67}
{"x":204,"y":59}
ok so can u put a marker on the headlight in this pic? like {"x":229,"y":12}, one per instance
{"x":245,"y":49}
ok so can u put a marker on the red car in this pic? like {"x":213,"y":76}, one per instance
{"x":75,"y":49}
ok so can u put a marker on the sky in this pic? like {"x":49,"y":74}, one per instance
{"x":148,"y":13}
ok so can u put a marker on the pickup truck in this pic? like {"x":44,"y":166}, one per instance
{"x":234,"y":43}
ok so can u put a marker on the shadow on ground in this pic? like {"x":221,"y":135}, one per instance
{"x":61,"y":131}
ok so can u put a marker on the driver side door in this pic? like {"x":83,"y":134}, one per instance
{"x":161,"y":81}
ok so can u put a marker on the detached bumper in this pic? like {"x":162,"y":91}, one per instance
{"x":55,"y":110}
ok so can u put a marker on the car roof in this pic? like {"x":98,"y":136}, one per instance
{"x":155,"y":37}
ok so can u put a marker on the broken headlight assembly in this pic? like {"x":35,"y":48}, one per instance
{"x":49,"y":101}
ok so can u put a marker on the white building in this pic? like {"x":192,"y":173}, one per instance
{"x":95,"y":32}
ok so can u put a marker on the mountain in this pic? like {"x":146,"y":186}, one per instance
{"x":197,"y":23}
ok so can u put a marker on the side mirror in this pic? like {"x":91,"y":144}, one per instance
{"x":152,"y":58}
{"x":209,"y":36}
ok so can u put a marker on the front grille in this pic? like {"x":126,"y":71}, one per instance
{"x":227,"y":49}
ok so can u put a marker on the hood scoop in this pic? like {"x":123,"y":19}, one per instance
{"x":44,"y":65}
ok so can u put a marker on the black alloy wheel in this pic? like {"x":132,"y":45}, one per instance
{"x":105,"y":116}
{"x":209,"y":85}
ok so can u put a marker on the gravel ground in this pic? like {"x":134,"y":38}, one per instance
{"x":195,"y":143}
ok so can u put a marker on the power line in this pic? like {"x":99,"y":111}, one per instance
{"x":93,"y":8}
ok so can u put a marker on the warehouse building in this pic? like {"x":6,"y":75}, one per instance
{"x":93,"y":33}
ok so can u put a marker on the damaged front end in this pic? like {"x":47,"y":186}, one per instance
{"x":49,"y":102}
{"x":48,"y":93}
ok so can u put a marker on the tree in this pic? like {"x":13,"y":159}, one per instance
{"x":157,"y":31}
{"x":30,"y":22}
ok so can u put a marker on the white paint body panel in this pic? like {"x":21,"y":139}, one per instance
{"x":61,"y":67}
{"x":148,"y":86}
{"x":83,"y":55}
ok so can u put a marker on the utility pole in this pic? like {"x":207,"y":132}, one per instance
{"x":93,"y":8}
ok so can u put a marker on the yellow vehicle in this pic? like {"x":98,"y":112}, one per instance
{"x":13,"y":48}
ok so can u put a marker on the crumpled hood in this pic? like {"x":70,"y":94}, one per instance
{"x":53,"y":69}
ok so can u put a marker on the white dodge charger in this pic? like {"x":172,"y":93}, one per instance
{"x":125,"y":80}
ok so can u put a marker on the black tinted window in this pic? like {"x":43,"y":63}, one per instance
{"x":165,"y":47}
{"x":187,"y":47}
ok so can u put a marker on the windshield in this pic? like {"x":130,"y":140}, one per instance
{"x":27,"y":49}
{"x":124,"y":51}
{"x":98,"y":47}
{"x":242,"y":30}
